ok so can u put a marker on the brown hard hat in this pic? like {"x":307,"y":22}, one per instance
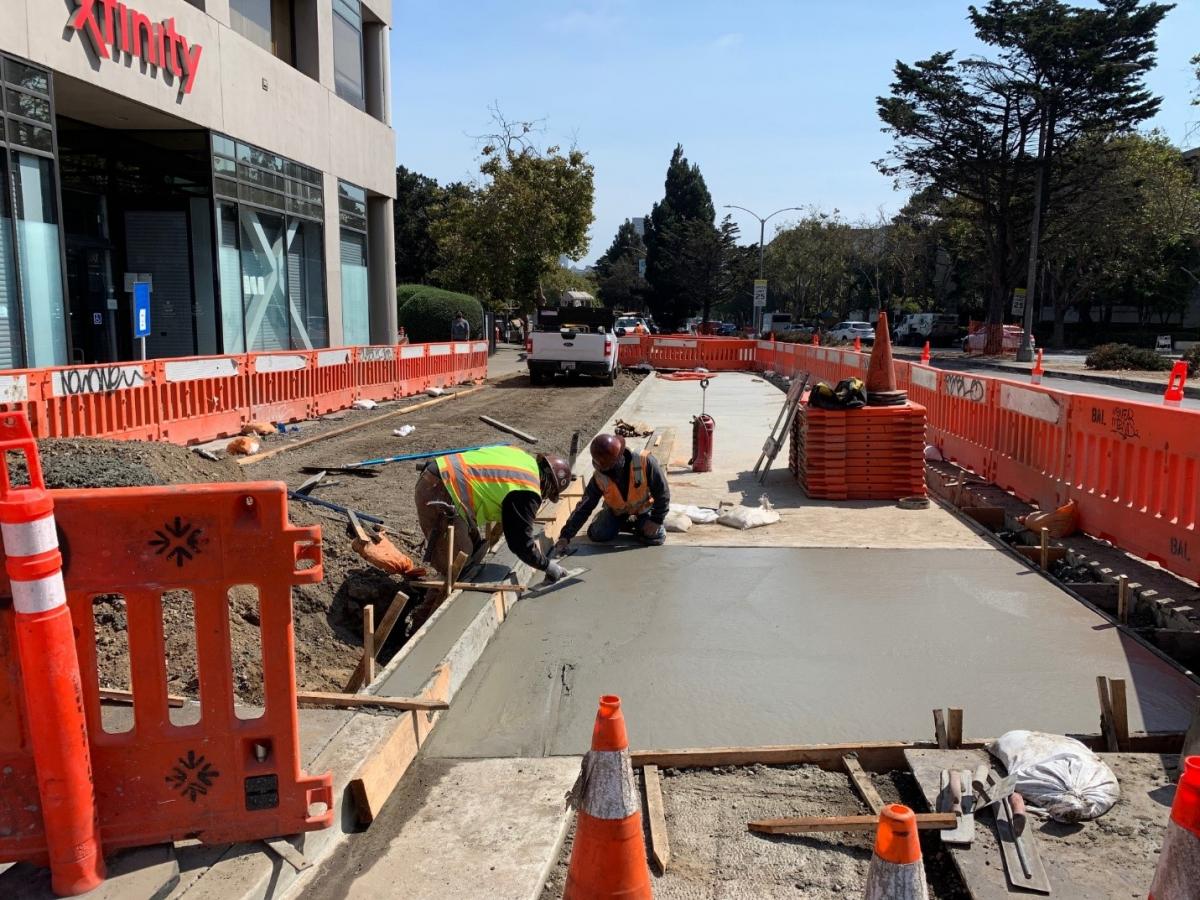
{"x":556,"y":475}
{"x":607,"y":450}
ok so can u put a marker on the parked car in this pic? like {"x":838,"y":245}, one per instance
{"x":573,"y":349}
{"x":848,"y":331}
{"x":917,"y":328}
{"x":628,"y":325}
{"x":976,"y":342}
{"x":727,"y":329}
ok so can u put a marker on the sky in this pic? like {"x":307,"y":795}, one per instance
{"x":774,"y":99}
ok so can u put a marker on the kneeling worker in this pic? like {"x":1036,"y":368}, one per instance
{"x":470,"y":491}
{"x":635,"y":493}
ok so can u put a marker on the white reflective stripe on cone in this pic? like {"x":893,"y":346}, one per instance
{"x":1178,"y":872}
{"x":29,"y":538}
{"x":39,"y":596}
{"x":895,"y":881}
{"x":605,"y":789}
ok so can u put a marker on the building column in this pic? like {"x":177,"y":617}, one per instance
{"x":381,"y":260}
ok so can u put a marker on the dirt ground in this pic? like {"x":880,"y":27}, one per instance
{"x":714,"y":857}
{"x":328,"y":615}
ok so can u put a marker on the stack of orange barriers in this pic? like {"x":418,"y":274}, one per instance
{"x":873,"y":453}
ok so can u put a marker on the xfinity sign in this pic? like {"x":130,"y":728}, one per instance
{"x":109,"y":24}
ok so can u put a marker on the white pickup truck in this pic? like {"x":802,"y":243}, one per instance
{"x":572,"y":350}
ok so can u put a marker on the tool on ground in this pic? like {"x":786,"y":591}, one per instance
{"x":991,"y":791}
{"x":311,"y":483}
{"x":778,"y":435}
{"x":345,"y":511}
{"x":822,"y":824}
{"x":409,"y":457}
{"x":608,"y":857}
{"x":545,"y":585}
{"x":508,"y":429}
{"x":574,"y":454}
{"x":703,"y":427}
{"x":342,"y":470}
{"x":361,"y":533}
{"x":896,"y":871}
{"x":1022,"y":861}
{"x":958,"y":796}
{"x":477,"y":587}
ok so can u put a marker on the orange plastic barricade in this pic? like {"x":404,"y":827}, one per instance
{"x":117,"y":401}
{"x":440,"y":362}
{"x":378,"y":373}
{"x":214,"y":771}
{"x":281,"y":386}
{"x":414,"y":368}
{"x":1030,"y":442}
{"x":201,"y":398}
{"x":57,"y":735}
{"x":963,"y":420}
{"x":333,"y":381}
{"x":1134,"y":470}
{"x":634,"y":350}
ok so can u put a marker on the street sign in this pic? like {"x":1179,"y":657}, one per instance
{"x":1163,"y":343}
{"x":141,"y":309}
{"x":1018,"y":301}
{"x":760,"y":292}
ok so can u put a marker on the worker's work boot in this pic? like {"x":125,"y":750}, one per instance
{"x":387,"y":556}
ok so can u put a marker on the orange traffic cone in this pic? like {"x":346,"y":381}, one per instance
{"x":608,"y":858}
{"x":857,"y":344}
{"x":881,"y":371}
{"x":926,"y":355}
{"x":1035,"y":375}
{"x":896,"y":871}
{"x":816,"y":339}
{"x":1178,"y":871}
{"x":1174,"y":394}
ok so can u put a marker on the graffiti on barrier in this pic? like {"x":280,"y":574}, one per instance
{"x":1180,"y":549}
{"x":965,"y":388}
{"x":97,"y":380}
{"x":376,"y":354}
{"x":1124,"y":425}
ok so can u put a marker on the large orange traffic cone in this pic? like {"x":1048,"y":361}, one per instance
{"x":1175,"y":391}
{"x":608,"y":858}
{"x":1178,"y":872}
{"x":925,"y":354}
{"x":896,"y":871}
{"x":857,"y":344}
{"x":1038,"y":370}
{"x":881,"y":371}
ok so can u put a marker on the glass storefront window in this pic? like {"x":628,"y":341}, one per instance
{"x":40,"y":259}
{"x":264,"y":281}
{"x":348,"y":52}
{"x":356,"y":314}
{"x":229,"y":267}
{"x":10,"y":310}
{"x":306,"y":285}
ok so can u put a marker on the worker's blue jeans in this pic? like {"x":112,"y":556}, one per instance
{"x":606,"y":526}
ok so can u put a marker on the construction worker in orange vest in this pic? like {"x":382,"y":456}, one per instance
{"x":634,"y":489}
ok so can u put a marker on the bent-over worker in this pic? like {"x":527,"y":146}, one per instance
{"x":471,"y":491}
{"x":634,"y":489}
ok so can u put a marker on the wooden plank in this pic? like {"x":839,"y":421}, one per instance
{"x":874,"y":756}
{"x":477,"y":587}
{"x":660,"y":844}
{"x":954,"y":727}
{"x":508,"y":429}
{"x":448,"y":584}
{"x":382,"y":632}
{"x":1123,"y":599}
{"x":1120,"y":712}
{"x":368,"y":653}
{"x":259,"y":457}
{"x":1107,"y":730}
{"x":353,"y":701}
{"x":862,"y":783}
{"x":991,"y":517}
{"x":661,"y":445}
{"x":818,"y":824}
{"x":113,"y":695}
{"x":939,"y":729}
{"x":380,"y":772}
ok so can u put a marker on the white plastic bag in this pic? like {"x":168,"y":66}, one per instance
{"x":677,"y":522}
{"x":435,"y":391}
{"x":364,"y":404}
{"x":699,"y":515}
{"x":744,"y":517}
{"x":932,"y":453}
{"x":404,"y":430}
{"x":1058,"y":774}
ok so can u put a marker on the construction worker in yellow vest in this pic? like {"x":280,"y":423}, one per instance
{"x":634,"y":489}
{"x":468,"y":492}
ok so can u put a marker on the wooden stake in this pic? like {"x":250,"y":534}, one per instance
{"x":369,"y":643}
{"x":1045,"y":549}
{"x":939,"y":729}
{"x":449,"y":581}
{"x":810,"y":824}
{"x":354,"y":701}
{"x":1123,"y":599}
{"x":1107,"y":729}
{"x":861,"y":781}
{"x":660,"y":845}
{"x":954,"y":727}
{"x":1120,"y":711}
{"x":390,"y":618}
{"x":112,"y":695}
{"x":508,"y":429}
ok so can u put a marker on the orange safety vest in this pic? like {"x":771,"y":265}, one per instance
{"x":637,"y":498}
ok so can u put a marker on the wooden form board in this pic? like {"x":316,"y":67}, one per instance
{"x":1074,"y":857}
{"x":660,"y":844}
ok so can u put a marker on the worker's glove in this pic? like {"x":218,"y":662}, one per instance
{"x":555,"y":572}
{"x":560,"y":547}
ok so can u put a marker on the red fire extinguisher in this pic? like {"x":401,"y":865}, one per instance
{"x":703,"y":427}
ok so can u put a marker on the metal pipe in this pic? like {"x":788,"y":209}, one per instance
{"x":407,"y":457}
{"x":345,"y":511}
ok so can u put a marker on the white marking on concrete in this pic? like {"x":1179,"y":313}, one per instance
{"x":1030,"y":403}
{"x":194,"y":370}
{"x":272,"y":363}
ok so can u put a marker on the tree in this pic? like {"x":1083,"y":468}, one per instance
{"x":418,"y":198}
{"x":505,"y":234}
{"x":700,"y":255}
{"x":686,"y":201}
{"x":808,"y":264}
{"x":618,"y":270}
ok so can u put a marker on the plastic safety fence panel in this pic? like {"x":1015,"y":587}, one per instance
{"x":221,"y":771}
{"x":282,"y":386}
{"x":1031,"y":442}
{"x":113,"y":401}
{"x":440,"y":359}
{"x":1134,"y":470}
{"x":467,"y":364}
{"x":333,"y":379}
{"x":378,"y":373}
{"x":415,"y":367}
{"x":921,"y":383}
{"x":962,"y":420}
{"x":675,"y":353}
{"x":634,"y":351}
{"x":21,"y":391}
{"x":731,"y":354}
{"x":202,"y":398}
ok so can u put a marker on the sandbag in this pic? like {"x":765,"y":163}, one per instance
{"x":1058,"y":774}
{"x":243,"y":446}
{"x":677,"y":522}
{"x":743,"y":517}
{"x":699,"y":515}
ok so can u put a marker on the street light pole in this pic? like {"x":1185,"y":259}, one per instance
{"x":762,"y":246}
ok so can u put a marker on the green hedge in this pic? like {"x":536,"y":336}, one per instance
{"x":427,"y":313}
{"x":1128,"y":358}
{"x":405,"y":292}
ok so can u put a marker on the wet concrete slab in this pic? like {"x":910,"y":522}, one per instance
{"x":728,"y":647}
